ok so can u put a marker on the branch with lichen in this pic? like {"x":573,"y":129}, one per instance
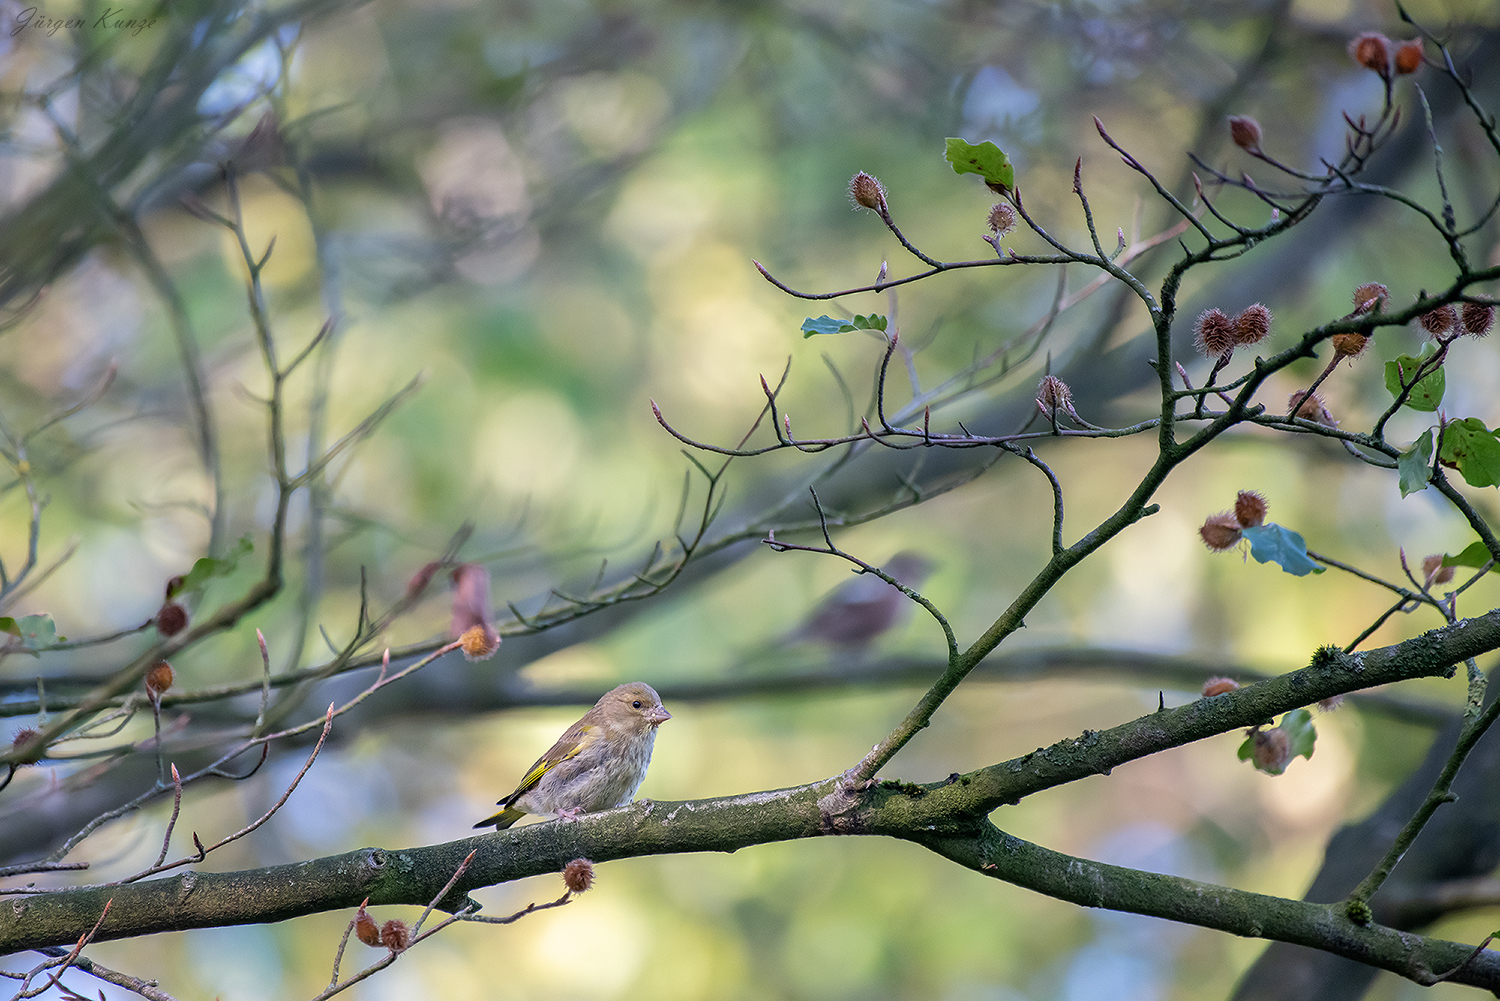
{"x":949,"y":817}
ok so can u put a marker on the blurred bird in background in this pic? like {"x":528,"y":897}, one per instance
{"x":857,"y":612}
{"x":597,"y":764}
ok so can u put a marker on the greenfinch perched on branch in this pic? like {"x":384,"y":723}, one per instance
{"x":597,"y":764}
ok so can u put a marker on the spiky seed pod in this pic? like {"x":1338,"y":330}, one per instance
{"x":1213,"y":335}
{"x":1477,"y":319}
{"x":578,"y":875}
{"x":1409,"y":56}
{"x":1245,"y":131}
{"x":395,"y":936}
{"x":1252,"y":325}
{"x":1220,"y":532}
{"x":1438,"y":322}
{"x":1310,"y":407}
{"x":1250,"y":509}
{"x":1349,"y":345}
{"x":471,"y":609}
{"x":479,"y":642}
{"x":1052,"y":393}
{"x":1002,"y":218}
{"x":1218,"y":686}
{"x":866,"y":192}
{"x":1372,"y":50}
{"x":1370,"y":295}
{"x":23,"y":737}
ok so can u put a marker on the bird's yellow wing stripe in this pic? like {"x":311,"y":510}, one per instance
{"x":569,"y":746}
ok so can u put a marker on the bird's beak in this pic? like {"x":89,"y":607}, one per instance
{"x":658,"y":716}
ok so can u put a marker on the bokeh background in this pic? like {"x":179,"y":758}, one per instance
{"x":549,"y":211}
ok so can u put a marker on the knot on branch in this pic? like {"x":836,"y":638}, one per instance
{"x":839,"y":813}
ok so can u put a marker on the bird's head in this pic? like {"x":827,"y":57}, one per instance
{"x":635,"y":705}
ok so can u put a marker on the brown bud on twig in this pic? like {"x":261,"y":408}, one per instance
{"x":866,"y":192}
{"x":1372,"y":50}
{"x":1409,"y":56}
{"x":578,"y":875}
{"x":1250,"y":509}
{"x":1002,"y":218}
{"x":171,"y":619}
{"x":1477,"y":319}
{"x":1245,"y":131}
{"x":1434,"y":571}
{"x":395,"y":936}
{"x":1438,"y":322}
{"x":1370,"y":295}
{"x":1218,"y":686}
{"x":159,"y":679}
{"x":1252,"y":325}
{"x":1220,"y":532}
{"x":364,"y":926}
{"x":1213,"y":335}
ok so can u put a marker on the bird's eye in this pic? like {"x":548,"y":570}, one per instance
{"x":636,"y":704}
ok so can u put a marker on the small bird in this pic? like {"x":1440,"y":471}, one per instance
{"x":597,"y":764}
{"x":858,"y":611}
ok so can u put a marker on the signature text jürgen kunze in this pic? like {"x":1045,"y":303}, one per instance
{"x":113,"y":19}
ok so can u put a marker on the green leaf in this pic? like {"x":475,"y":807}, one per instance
{"x":1472,"y":447}
{"x":206,"y":568}
{"x":829,"y":325}
{"x":1271,"y":543}
{"x":986,"y":160}
{"x":1301,"y":735}
{"x":1414,"y":466}
{"x":34,"y":631}
{"x":1474,"y":555}
{"x":1299,"y":727}
{"x":1425,"y":395}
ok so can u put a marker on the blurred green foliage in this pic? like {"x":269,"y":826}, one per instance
{"x":550,"y":210}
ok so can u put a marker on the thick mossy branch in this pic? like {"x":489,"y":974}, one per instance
{"x":948,"y":817}
{"x":1433,"y":654}
{"x":409,"y":876}
{"x":1251,"y":915}
{"x":892,"y":809}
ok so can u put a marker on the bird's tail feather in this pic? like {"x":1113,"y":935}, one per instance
{"x":503,"y":819}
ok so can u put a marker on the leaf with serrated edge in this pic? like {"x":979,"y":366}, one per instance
{"x":1472,"y":447}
